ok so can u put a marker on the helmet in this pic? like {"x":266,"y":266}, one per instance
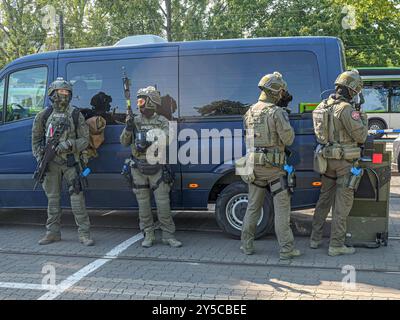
{"x":273,"y":83}
{"x":153,"y":94}
{"x":59,"y":83}
{"x":350,"y":79}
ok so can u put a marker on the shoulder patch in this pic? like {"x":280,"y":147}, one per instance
{"x":355,"y":115}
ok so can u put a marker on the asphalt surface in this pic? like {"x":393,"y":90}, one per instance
{"x":208,"y":266}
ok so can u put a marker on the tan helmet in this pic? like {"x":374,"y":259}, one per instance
{"x":272,"y":82}
{"x":350,"y":79}
{"x":153,"y":94}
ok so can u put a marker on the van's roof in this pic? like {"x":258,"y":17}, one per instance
{"x":188,"y":45}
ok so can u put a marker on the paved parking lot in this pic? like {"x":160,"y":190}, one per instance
{"x":208,"y":266}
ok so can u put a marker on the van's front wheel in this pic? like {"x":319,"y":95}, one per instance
{"x":231,"y":207}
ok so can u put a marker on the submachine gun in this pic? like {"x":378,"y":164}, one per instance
{"x":49,"y":153}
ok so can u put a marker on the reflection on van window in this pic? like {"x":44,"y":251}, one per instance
{"x":375,"y":99}
{"x":224,"y":84}
{"x":396,"y":100}
{"x":26,"y":93}
{"x":91,"y":78}
{"x":1,"y":99}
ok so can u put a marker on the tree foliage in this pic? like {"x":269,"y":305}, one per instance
{"x":370,"y":29}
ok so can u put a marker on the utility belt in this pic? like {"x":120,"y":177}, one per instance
{"x":144,"y":167}
{"x":264,"y":157}
{"x":339,"y":152}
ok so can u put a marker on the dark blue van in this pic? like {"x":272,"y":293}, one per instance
{"x":212,"y":83}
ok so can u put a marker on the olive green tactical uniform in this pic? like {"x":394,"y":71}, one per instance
{"x":348,"y":128}
{"x":272,"y":131}
{"x":58,"y":168}
{"x":142,"y":184}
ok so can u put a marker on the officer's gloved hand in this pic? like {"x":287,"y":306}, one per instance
{"x":130,"y":124}
{"x":64,"y":147}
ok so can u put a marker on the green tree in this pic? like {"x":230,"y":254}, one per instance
{"x":21,"y":32}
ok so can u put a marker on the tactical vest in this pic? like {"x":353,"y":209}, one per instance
{"x":322,"y":116}
{"x":144,"y":124}
{"x":331,"y":133}
{"x":51,"y":119}
{"x":260,"y":118}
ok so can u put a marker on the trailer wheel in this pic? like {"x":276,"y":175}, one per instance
{"x":376,"y":124}
{"x":231,"y":207}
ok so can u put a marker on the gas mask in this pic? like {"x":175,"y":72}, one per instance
{"x":358,"y":100}
{"x":146,"y":107}
{"x":60,"y":101}
{"x":284,"y":98}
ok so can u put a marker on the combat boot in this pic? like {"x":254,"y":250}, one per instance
{"x":86,"y":241}
{"x":247,"y":250}
{"x":172,"y":242}
{"x":149,"y":239}
{"x":337,"y":251}
{"x":49,"y":238}
{"x":315,"y":244}
{"x":289,"y":255}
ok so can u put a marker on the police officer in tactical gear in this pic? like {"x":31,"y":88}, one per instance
{"x":73,"y":138}
{"x":339,"y":129}
{"x":147,"y":176}
{"x":272,"y":132}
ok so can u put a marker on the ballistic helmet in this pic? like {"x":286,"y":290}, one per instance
{"x":59,"y":83}
{"x":153,"y":94}
{"x":350,"y":79}
{"x":272,"y":82}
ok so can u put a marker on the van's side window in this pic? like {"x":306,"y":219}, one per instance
{"x":1,"y":99}
{"x":226,"y":84}
{"x":26,"y":93}
{"x":90,"y":79}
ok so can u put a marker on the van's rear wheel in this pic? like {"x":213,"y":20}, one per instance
{"x":376,"y":124}
{"x":231,"y":207}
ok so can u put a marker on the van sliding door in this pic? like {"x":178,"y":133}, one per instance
{"x":98,"y":73}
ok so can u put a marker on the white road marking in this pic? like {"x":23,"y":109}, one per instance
{"x":109,"y":212}
{"x":26,"y":286}
{"x":80,"y":274}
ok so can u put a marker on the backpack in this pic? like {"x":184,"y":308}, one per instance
{"x":323,"y":123}
{"x":256,"y":118}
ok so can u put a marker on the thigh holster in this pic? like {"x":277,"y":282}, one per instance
{"x":278,"y":186}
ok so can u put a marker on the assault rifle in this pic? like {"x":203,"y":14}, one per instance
{"x":49,"y":154}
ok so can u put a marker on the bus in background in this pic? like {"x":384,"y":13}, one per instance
{"x":382,"y":97}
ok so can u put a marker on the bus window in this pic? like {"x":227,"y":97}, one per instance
{"x":376,"y":99}
{"x":26,"y":93}
{"x":226,"y":84}
{"x":1,"y":99}
{"x":396,"y":100}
